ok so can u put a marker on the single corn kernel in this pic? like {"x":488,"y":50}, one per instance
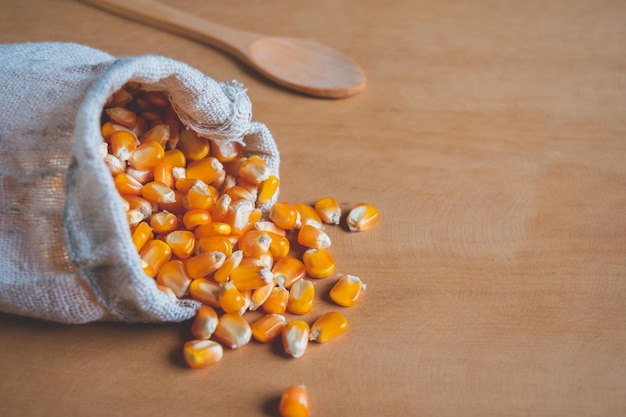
{"x":312,"y":237}
{"x":347,"y":290}
{"x":268,"y":327}
{"x":109,"y":128}
{"x":167,"y":291}
{"x":328,"y":326}
{"x":294,"y":402}
{"x":176,"y":157}
{"x":285,"y":216}
{"x":147,"y":155}
{"x":194,"y":218}
{"x":139,"y":203}
{"x":182,"y":243}
{"x":225,"y":151}
{"x":238,"y":192}
{"x":279,"y":246}
{"x":141,"y":235}
{"x":296,"y":337}
{"x":164,"y":172}
{"x":122,"y":116}
{"x":212,"y":229}
{"x":177,"y":206}
{"x":267,"y":190}
{"x":329,"y":210}
{"x":208,"y":169}
{"x":231,"y":299}
{"x":205,"y":291}
{"x":123,"y":144}
{"x":287,"y":271}
{"x":309,"y":216}
{"x":254,"y":170}
{"x":134,"y":217}
{"x":205,"y":323}
{"x":318,"y":262}
{"x":251,"y":277}
{"x":125,"y":184}
{"x":174,"y":132}
{"x":260,"y":295}
{"x":254,"y":243}
{"x":201,"y":353}
{"x":233,"y":330}
{"x":141,"y":175}
{"x":115,"y":165}
{"x":362,"y":217}
{"x":201,"y":197}
{"x":204,"y":264}
{"x":173,"y":275}
{"x":301,"y":296}
{"x":185,"y":184}
{"x":193,"y":146}
{"x":216,"y":243}
{"x":163,"y":222}
{"x":232,"y":261}
{"x":238,"y":216}
{"x":277,"y":301}
{"x":160,"y":133}
{"x":220,"y":209}
{"x":120,"y":98}
{"x":268,"y":226}
{"x":155,"y":253}
{"x":158,"y":192}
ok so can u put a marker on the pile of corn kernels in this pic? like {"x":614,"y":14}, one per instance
{"x":193,"y":209}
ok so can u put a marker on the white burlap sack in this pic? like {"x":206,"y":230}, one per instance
{"x":65,"y":249}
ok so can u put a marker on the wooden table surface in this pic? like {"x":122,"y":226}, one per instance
{"x":491,"y":136}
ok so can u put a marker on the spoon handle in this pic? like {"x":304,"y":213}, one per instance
{"x":162,"y":16}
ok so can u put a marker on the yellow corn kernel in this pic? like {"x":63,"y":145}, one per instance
{"x":160,"y":133}
{"x":125,"y":184}
{"x":285,"y":216}
{"x":163,"y":222}
{"x":205,"y":291}
{"x":201,"y":353}
{"x":231,"y":299}
{"x":268,"y":327}
{"x":277,"y":301}
{"x":267,"y":259}
{"x":318,"y":262}
{"x":329,"y":210}
{"x":208,"y":169}
{"x":301,"y":297}
{"x":312,"y":237}
{"x":269,"y":226}
{"x":122,"y":116}
{"x":232,"y":261}
{"x":141,"y":235}
{"x":347,"y":290}
{"x":294,"y":402}
{"x":328,"y":326}
{"x":123,"y":144}
{"x":109,"y":128}
{"x":296,"y":337}
{"x":177,"y":206}
{"x":238,"y":216}
{"x":173,"y":275}
{"x":260,"y":295}
{"x":233,"y":330}
{"x":204,"y":264}
{"x":309,"y":216}
{"x":216,"y":243}
{"x":141,"y":175}
{"x":220,"y":209}
{"x":194,"y":218}
{"x":254,"y":243}
{"x":212,"y":229}
{"x":193,"y":146}
{"x":201,"y":197}
{"x":255,"y":216}
{"x":238,"y":192}
{"x":182,"y":243}
{"x":176,"y":157}
{"x":158,"y":192}
{"x":225,"y":151}
{"x":254,"y":170}
{"x":134,"y":217}
{"x":147,"y":155}
{"x":204,"y":323}
{"x":155,"y":253}
{"x":287,"y":271}
{"x":139,"y":203}
{"x":250,"y":277}
{"x":362,"y":217}
{"x":164,"y":172}
{"x":185,"y":184}
{"x":267,"y":190}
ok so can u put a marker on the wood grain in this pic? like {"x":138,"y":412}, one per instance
{"x":491,"y":138}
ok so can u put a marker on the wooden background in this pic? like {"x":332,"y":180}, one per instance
{"x":492,"y":137}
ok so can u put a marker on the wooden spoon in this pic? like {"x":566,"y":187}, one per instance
{"x":304,"y":66}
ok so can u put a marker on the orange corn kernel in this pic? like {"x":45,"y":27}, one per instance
{"x":238,"y":216}
{"x":155,"y":253}
{"x":254,"y":170}
{"x":125,"y":184}
{"x":329,"y":210}
{"x":205,"y":291}
{"x":362,"y":217}
{"x":238,"y":192}
{"x":200,"y":196}
{"x":220,"y":209}
{"x":309,"y":216}
{"x":133,"y":217}
{"x":141,"y":235}
{"x":122,"y":116}
{"x":295,"y":337}
{"x":164,"y":172}
{"x":123,"y":144}
{"x":204,"y":323}
{"x":201,"y":353}
{"x":251,"y":277}
{"x":182,"y":243}
{"x":139,"y":203}
{"x":279,"y":246}
{"x":328,"y":326}
{"x":216,"y":243}
{"x":167,"y":291}
{"x":158,"y":192}
{"x":287,"y":271}
{"x":115,"y":165}
{"x":347,"y":290}
{"x":225,"y":151}
{"x":212,"y":229}
{"x":277,"y":301}
{"x":301,"y":296}
{"x":193,"y":146}
{"x":260,"y":295}
{"x":141,"y":175}
{"x":232,"y":261}
{"x":147,"y":155}
{"x":269,"y":226}
{"x":163,"y":222}
{"x":294,"y":402}
{"x":177,"y":206}
{"x":231,"y":299}
{"x":254,"y":243}
{"x":285,"y":216}
{"x":319,"y":263}
{"x":312,"y":237}
{"x":174,"y":276}
{"x":194,"y":218}
{"x":207,"y":169}
{"x":204,"y":264}
{"x":160,"y":133}
{"x":267,"y":190}
{"x":176,"y":157}
{"x":268,"y":327}
{"x":185,"y":184}
{"x":233,"y":330}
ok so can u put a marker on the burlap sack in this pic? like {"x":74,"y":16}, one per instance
{"x":65,"y":250}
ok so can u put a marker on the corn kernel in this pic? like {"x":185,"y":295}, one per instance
{"x":279,"y":246}
{"x":347,"y":290}
{"x":205,"y":291}
{"x":220,"y":209}
{"x":115,"y":165}
{"x":160,"y":133}
{"x":134,"y":217}
{"x":254,"y":170}
{"x":255,"y":243}
{"x":260,"y":295}
{"x":329,"y":210}
{"x":122,"y":116}
{"x":163,"y":222}
{"x":362,"y":217}
{"x":204,"y":264}
{"x":268,"y":327}
{"x":142,"y":175}
{"x":139,"y":203}
{"x":204,"y":323}
{"x":295,"y":337}
{"x":201,"y":353}
{"x":287,"y":271}
{"x":238,"y":192}
{"x":193,"y":146}
{"x":232,"y":261}
{"x":233,"y":330}
{"x":294,"y":402}
{"x":309,"y":216}
{"x":285,"y":216}
{"x":173,"y":275}
{"x":125,"y":184}
{"x":231,"y":299}
{"x":216,"y":243}
{"x":277,"y":301}
{"x":141,"y":235}
{"x":328,"y":326}
{"x":158,"y":192}
{"x":225,"y":151}
{"x":251,"y":277}
{"x":176,"y":157}
{"x":182,"y":243}
{"x":200,"y":196}
{"x":195,"y":217}
{"x":238,"y":216}
{"x":212,"y":229}
{"x":164,"y":172}
{"x":155,"y":253}
{"x":301,"y":297}
{"x":267,"y":190}
{"x":319,"y":263}
{"x":123,"y":144}
{"x":147,"y":155}
{"x":269,"y":226}
{"x":208,"y":169}
{"x":312,"y":237}
{"x":167,"y":291}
